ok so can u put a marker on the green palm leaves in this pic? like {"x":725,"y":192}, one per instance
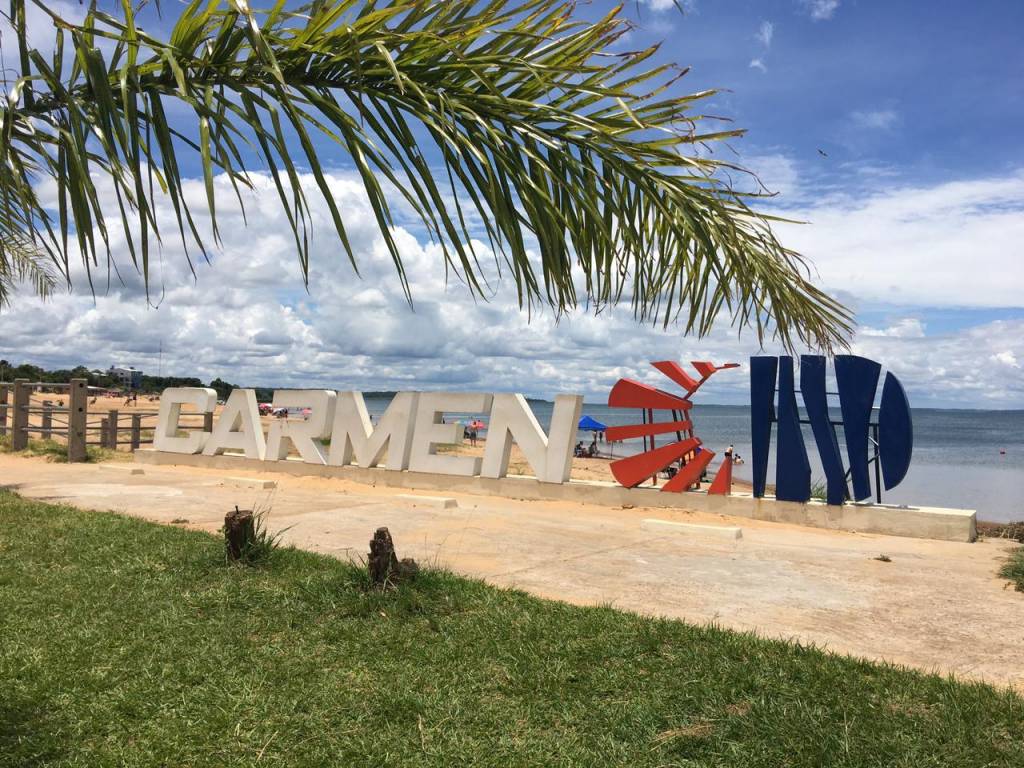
{"x":500,"y":121}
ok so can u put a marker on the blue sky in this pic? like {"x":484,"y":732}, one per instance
{"x":938,"y":86}
{"x":915,"y":218}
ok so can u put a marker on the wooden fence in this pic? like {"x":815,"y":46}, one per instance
{"x":72,"y":423}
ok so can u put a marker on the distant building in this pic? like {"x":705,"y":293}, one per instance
{"x":129,"y":377}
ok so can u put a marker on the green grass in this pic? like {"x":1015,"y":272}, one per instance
{"x":58,"y":452}
{"x":1013,"y":569}
{"x":124,"y":643}
{"x":819,"y":490}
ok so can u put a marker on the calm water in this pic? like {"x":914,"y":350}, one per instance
{"x":957,"y":460}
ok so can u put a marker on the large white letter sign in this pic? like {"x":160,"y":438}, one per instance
{"x":550,"y":456}
{"x":238,"y":427}
{"x":430,"y":431}
{"x":354,"y":436}
{"x":304,"y":435}
{"x":166,"y":437}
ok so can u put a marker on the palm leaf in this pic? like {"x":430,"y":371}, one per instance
{"x":543,"y":137}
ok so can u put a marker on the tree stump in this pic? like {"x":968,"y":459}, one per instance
{"x":239,"y":532}
{"x":385,"y":567}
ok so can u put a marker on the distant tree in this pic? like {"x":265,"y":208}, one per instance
{"x":264,"y":394}
{"x":222,"y":387}
{"x":159,"y":383}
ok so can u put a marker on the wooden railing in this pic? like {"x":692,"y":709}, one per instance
{"x":73,"y":423}
{"x":16,"y":410}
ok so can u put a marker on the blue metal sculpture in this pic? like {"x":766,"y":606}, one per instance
{"x":886,"y":443}
{"x":895,"y":432}
{"x":762,"y":394}
{"x":792,"y":470}
{"x":812,"y":387}
{"x":857,"y":378}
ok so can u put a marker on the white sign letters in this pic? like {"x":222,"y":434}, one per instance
{"x":406,"y":437}
{"x":167,"y":437}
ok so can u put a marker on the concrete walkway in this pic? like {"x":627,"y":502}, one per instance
{"x":937,"y":605}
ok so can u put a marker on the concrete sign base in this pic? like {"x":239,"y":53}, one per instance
{"x":886,"y":519}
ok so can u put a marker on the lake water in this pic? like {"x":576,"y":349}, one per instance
{"x":957,"y":460}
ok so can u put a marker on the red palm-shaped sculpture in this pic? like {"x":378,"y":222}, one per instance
{"x":633,"y":394}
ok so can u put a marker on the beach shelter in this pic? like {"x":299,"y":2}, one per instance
{"x":589,"y":424}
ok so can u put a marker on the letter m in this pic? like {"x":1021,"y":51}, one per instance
{"x":354,"y":437}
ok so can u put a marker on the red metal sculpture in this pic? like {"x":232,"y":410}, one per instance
{"x":686,"y":448}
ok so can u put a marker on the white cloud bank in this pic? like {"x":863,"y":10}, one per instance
{"x":953,"y":244}
{"x":247,"y":319}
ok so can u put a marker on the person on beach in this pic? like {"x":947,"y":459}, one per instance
{"x":730,"y":453}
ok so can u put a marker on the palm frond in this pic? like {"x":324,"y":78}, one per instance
{"x":20,"y":264}
{"x":545,"y":136}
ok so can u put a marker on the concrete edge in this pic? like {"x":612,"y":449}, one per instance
{"x":654,"y":524}
{"x":130,"y":469}
{"x":251,"y":482}
{"x":888,"y":520}
{"x":442,"y":502}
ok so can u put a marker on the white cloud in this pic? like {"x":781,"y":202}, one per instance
{"x":882,"y":119}
{"x":248,"y":320}
{"x":765,"y":33}
{"x":688,"y":6}
{"x":758,"y":64}
{"x":952,"y":244}
{"x":1006,"y":357}
{"x":776,"y":172}
{"x":821,"y":10}
{"x":906,"y":328}
{"x":955,"y":369}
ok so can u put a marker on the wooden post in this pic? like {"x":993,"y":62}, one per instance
{"x":385,"y":567}
{"x":47,"y":423}
{"x":208,"y":422}
{"x":19,"y":419}
{"x":136,"y":431}
{"x":239,"y":532}
{"x":78,"y":416}
{"x":112,"y":419}
{"x":3,"y":410}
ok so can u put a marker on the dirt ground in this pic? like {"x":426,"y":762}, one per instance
{"x":933,"y":605}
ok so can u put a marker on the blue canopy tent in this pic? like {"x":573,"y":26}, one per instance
{"x":588,"y":424}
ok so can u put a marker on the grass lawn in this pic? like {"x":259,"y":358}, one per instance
{"x":124,"y":643}
{"x":58,"y":452}
{"x":1014,"y":569}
